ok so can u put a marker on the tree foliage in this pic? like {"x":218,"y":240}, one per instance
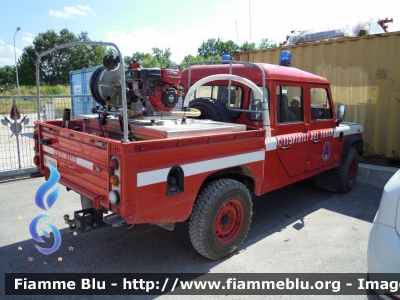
{"x":216,"y":47}
{"x":157,"y":59}
{"x":197,"y":58}
{"x":163,"y":57}
{"x":246,"y":46}
{"x":266,"y":43}
{"x":54,"y":67}
{"x":7,"y":77}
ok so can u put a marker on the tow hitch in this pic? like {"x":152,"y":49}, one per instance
{"x":89,"y":219}
{"x":85,"y":220}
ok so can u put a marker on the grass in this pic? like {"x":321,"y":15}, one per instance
{"x":44,"y":90}
{"x":29,"y":105}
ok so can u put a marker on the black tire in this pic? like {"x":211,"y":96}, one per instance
{"x":348,"y":171}
{"x":220,"y":218}
{"x":211,"y":109}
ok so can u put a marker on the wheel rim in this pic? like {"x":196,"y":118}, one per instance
{"x":229,"y":221}
{"x":352,"y":170}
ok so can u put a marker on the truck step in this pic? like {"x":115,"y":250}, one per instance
{"x":114,"y":220}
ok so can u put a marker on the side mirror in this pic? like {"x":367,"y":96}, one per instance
{"x":341,"y":112}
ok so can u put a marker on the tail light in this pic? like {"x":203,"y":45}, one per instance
{"x":113,"y":197}
{"x":115,"y":173}
{"x":114,"y":163}
{"x":114,"y":180}
{"x":36,"y":159}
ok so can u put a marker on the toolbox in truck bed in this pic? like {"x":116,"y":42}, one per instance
{"x":162,"y":129}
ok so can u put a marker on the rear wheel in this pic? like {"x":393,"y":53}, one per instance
{"x":220,"y":218}
{"x":211,"y":109}
{"x":348,"y":171}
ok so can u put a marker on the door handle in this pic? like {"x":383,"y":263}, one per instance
{"x":286,"y":148}
{"x":316,"y":141}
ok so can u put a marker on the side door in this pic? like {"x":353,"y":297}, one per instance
{"x":321,"y":127}
{"x":290,"y":127}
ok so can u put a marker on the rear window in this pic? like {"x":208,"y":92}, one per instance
{"x":232,"y":98}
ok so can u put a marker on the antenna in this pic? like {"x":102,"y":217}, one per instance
{"x":250,"y":29}
{"x":237,"y":35}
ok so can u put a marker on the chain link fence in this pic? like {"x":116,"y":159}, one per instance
{"x":17,"y":124}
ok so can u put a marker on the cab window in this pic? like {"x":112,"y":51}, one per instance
{"x":256,"y":104}
{"x":320,"y":108}
{"x":289,"y":103}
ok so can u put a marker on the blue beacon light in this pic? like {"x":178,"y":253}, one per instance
{"x":285,"y":59}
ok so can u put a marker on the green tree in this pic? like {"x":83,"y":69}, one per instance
{"x":246,"y":46}
{"x":54,"y":67}
{"x":147,"y":60}
{"x":266,"y":43}
{"x":157,"y":59}
{"x":216,"y":47}
{"x":199,"y":58}
{"x":163,"y":57}
{"x":191,"y":58}
{"x":228,"y":47}
{"x":209,"y":48}
{"x":7,"y":77}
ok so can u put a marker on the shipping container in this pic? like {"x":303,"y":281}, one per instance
{"x":364,"y":73}
{"x":79,"y":83}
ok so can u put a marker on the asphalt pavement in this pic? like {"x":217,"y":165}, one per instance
{"x":296,"y":229}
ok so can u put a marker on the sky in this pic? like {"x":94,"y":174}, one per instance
{"x":181,"y":25}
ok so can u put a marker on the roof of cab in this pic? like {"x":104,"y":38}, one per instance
{"x":273,"y":72}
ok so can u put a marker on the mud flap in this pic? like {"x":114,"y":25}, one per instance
{"x":328,"y":180}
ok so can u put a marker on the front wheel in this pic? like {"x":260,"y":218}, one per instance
{"x":220,"y":218}
{"x":348,"y":171}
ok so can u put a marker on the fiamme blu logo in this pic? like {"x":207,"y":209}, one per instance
{"x":40,"y":202}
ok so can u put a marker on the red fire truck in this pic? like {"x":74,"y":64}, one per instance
{"x":244,"y":129}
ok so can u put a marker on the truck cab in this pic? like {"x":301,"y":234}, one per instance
{"x":304,"y":127}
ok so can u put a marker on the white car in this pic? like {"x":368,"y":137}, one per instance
{"x":383,"y":253}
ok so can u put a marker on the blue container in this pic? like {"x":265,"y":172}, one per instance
{"x":79,"y":83}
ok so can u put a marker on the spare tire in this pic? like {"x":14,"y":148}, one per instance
{"x":211,"y":109}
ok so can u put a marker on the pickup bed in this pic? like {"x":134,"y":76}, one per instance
{"x":145,"y":167}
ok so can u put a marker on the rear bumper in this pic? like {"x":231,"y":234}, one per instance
{"x":383,"y":253}
{"x":383,"y":257}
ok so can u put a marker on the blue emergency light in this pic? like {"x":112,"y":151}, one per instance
{"x":226,"y":57}
{"x":285,"y":58}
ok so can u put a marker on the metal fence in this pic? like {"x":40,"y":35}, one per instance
{"x":17,"y":123}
